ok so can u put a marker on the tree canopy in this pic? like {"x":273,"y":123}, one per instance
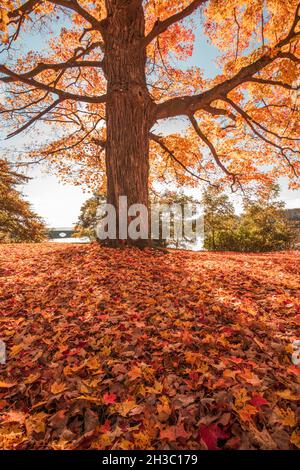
{"x":17,"y":221}
{"x":262,"y":226}
{"x":241,"y":125}
{"x":87,"y":220}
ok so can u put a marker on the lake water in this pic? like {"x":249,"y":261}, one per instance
{"x":70,"y":240}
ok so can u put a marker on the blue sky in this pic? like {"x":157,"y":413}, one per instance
{"x":59,"y":204}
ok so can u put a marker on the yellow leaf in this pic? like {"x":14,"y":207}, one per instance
{"x":101,"y":443}
{"x":93,"y":364}
{"x":15,"y":349}
{"x":241,"y":397}
{"x":7,"y":384}
{"x":32,"y":378}
{"x":250,"y":378}
{"x":125,"y":445}
{"x":227,"y":373}
{"x":288,"y":395}
{"x":156,"y":389}
{"x":142,"y":441}
{"x":57,"y":387}
{"x":36,"y":423}
{"x":295,"y":439}
{"x":135,"y":373}
{"x":163,"y":409}
{"x":105,"y":351}
{"x":247,"y":412}
{"x":88,"y":398}
{"x":287,"y":417}
{"x":125,"y":407}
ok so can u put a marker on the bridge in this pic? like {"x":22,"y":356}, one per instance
{"x":60,"y":232}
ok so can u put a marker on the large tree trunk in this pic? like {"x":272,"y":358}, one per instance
{"x":129,"y":108}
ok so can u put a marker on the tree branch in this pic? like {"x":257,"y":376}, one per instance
{"x":34,"y":119}
{"x":41,"y":86}
{"x":211,"y":148}
{"x":187,"y":105}
{"x":161,"y":26}
{"x":219,"y":112}
{"x":264,"y":81}
{"x":25,"y":8}
{"x":61,"y":66}
{"x":160,"y":142}
{"x":73,"y":5}
{"x":248,"y":120}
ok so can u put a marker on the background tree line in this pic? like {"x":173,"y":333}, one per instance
{"x":18,"y":222}
{"x":263,"y":224}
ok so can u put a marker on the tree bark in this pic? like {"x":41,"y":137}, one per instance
{"x":129,"y":108}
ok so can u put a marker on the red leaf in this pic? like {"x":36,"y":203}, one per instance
{"x":210,"y":435}
{"x":258,"y":401}
{"x":294,"y":370}
{"x":236,"y":360}
{"x":106,"y":426}
{"x":109,"y":398}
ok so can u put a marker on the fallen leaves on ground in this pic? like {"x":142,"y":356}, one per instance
{"x":129,"y":349}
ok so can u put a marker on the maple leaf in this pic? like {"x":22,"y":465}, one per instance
{"x":172,"y":433}
{"x":58,"y":387}
{"x":236,"y":360}
{"x":32,"y":378}
{"x":14,"y":416}
{"x":58,"y":420}
{"x":288,"y":395}
{"x":106,"y":426}
{"x":93,"y":363}
{"x":285,"y":416}
{"x":295,"y":439}
{"x":241,"y":397}
{"x":125,"y":407}
{"x":4,"y":384}
{"x":135,"y":373}
{"x":163,"y":408}
{"x":227,"y":373}
{"x":109,"y":398}
{"x":261,"y":438}
{"x":142,"y":441}
{"x":211,"y":434}
{"x":250,"y":377}
{"x":247,"y":412}
{"x":125,"y":444}
{"x":258,"y":401}
{"x":36,"y":423}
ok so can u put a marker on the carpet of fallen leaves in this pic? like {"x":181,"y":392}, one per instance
{"x":129,"y":349}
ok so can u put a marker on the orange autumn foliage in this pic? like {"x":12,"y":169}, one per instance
{"x":245,"y":134}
